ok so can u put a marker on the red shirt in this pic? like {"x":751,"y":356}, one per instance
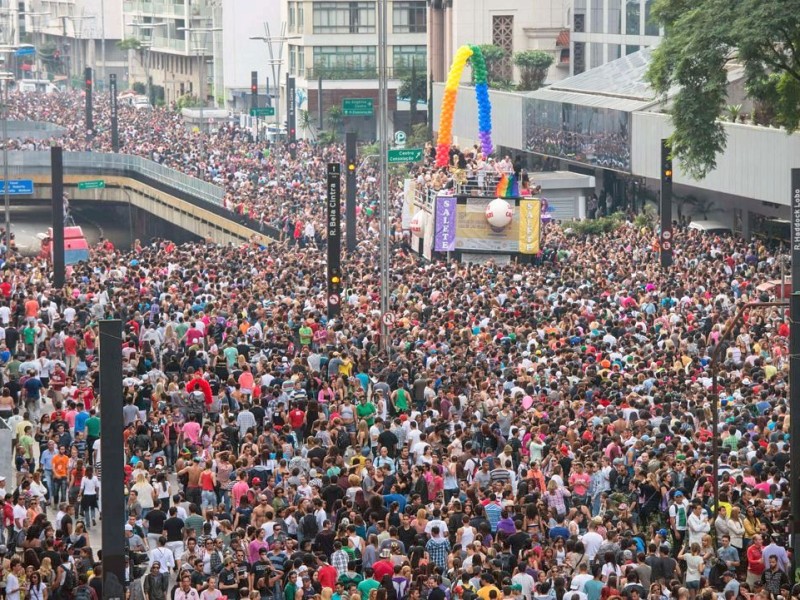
{"x":327,"y":576}
{"x":296,"y":418}
{"x":70,"y":346}
{"x":383,"y":567}
{"x":755,"y":560}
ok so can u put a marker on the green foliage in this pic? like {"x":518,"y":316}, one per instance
{"x":413,"y":85}
{"x":139,"y":87}
{"x":702,"y":36}
{"x":493,"y":56}
{"x":306,"y":123}
{"x":326,"y":137}
{"x":418,"y":136}
{"x":598,"y":226}
{"x":335,"y":118}
{"x":187,"y":101}
{"x":129,"y":44}
{"x":533,"y":66}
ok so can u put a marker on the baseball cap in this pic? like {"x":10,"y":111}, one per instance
{"x":385,"y":553}
{"x":678,"y":493}
{"x":128,"y":527}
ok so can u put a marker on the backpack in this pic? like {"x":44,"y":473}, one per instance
{"x":84,"y":592}
{"x":309,"y":526}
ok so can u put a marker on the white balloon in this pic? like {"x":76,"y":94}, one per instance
{"x":499,"y":213}
{"x":418,"y":222}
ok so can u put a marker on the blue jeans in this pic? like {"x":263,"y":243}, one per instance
{"x":208,"y":499}
{"x":59,"y":490}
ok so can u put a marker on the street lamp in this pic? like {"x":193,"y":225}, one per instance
{"x":275,"y":62}
{"x":146,"y":29}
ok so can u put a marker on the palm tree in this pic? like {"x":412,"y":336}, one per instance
{"x":307,"y":124}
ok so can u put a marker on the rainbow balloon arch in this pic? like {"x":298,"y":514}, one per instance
{"x":474,"y":55}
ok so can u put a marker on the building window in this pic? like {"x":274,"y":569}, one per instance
{"x":596,"y":16}
{"x":345,"y":62}
{"x":301,"y":60}
{"x":631,"y":49}
{"x":406,"y":56}
{"x":614,"y":16}
{"x":613,"y":52}
{"x":344,"y":17}
{"x":292,"y":17}
{"x":301,"y":17}
{"x":632,"y":12}
{"x":595,"y":55}
{"x":579,"y":58}
{"x":409,"y":16}
{"x":292,"y":59}
{"x":503,"y":37}
{"x":650,"y":24}
{"x":579,"y":25}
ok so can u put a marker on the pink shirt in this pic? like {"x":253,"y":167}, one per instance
{"x":238,"y":492}
{"x":192,"y":431}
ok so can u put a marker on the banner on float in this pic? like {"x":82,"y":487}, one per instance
{"x":530,"y":220}
{"x":445,"y":224}
{"x":409,"y":191}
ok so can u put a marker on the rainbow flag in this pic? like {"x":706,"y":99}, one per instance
{"x":508,"y":187}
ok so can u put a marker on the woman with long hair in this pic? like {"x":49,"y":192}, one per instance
{"x":37,"y":589}
{"x":89,"y":496}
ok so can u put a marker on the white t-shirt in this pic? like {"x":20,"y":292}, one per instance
{"x":96,"y":449}
{"x":19,"y":516}
{"x":90,"y":487}
{"x":12,"y":587}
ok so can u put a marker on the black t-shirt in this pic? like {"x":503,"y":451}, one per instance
{"x":260,"y":569}
{"x":155,"y":520}
{"x":97,"y":584}
{"x":242,"y":571}
{"x":174,"y":528}
{"x":228,"y":577}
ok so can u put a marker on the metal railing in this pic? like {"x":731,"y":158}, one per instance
{"x":118,"y":164}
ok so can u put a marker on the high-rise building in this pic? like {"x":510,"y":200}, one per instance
{"x":605,"y":30}
{"x":511,"y":25}
{"x":332,"y":45}
{"x":71,"y":35}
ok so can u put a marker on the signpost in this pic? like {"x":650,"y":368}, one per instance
{"x":17,"y":187}
{"x":94,"y":184}
{"x":358,"y":107}
{"x":794,"y":360}
{"x":400,"y":139}
{"x":405,"y":155}
{"x":334,"y":229}
{"x":264,"y":111}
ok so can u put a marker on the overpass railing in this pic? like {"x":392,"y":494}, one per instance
{"x":191,"y":189}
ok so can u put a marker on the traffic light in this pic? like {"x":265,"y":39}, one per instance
{"x":254,"y":89}
{"x":666,"y":168}
{"x":351,"y":166}
{"x":335,"y":279}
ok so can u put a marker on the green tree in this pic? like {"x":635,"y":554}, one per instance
{"x":335,"y":118}
{"x":533,"y":66}
{"x":702,"y":37}
{"x":129,"y":44}
{"x":412,"y":86}
{"x":495,"y":58}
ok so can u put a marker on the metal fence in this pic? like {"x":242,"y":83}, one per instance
{"x":98,"y":163}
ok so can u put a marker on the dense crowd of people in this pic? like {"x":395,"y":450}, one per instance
{"x":530,"y":431}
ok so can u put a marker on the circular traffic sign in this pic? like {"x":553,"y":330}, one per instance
{"x":667,"y":245}
{"x":388,"y":319}
{"x":400,"y":137}
{"x":333,"y":299}
{"x":667,"y":234}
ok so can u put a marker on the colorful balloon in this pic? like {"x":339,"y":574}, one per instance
{"x":475,"y":56}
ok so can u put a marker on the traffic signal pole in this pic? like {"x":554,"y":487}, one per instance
{"x":334,"y":230}
{"x":666,"y":240}
{"x":89,"y":118}
{"x":350,"y":200}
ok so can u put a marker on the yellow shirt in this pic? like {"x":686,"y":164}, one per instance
{"x":484,"y":592}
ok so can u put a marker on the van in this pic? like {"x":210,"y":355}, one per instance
{"x":711,"y":227}
{"x":141,"y":103}
{"x":43,"y":86}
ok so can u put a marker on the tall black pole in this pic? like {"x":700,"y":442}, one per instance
{"x":666,"y":205}
{"x":350,"y":200}
{"x":87,"y":75}
{"x":794,"y":365}
{"x":57,"y":218}
{"x":412,"y":100}
{"x":112,"y":89}
{"x":334,"y":230}
{"x":113,"y":459}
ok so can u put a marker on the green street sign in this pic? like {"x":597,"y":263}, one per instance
{"x":95,"y":184}
{"x":358,"y":107}
{"x":265,"y":111}
{"x":405,"y":155}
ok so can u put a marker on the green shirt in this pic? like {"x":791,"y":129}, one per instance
{"x":93,"y":426}
{"x":401,"y":403}
{"x":366,"y":411}
{"x":289,"y":591}
{"x":366,"y":586}
{"x":305,"y":333}
{"x":29,"y":333}
{"x":231,"y":354}
{"x":194,"y":522}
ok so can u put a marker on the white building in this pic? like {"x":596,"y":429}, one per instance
{"x":334,"y":43}
{"x":73,"y":35}
{"x":605,"y":30}
{"x":509,"y":24}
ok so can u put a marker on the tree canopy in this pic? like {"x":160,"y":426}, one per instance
{"x":702,"y":38}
